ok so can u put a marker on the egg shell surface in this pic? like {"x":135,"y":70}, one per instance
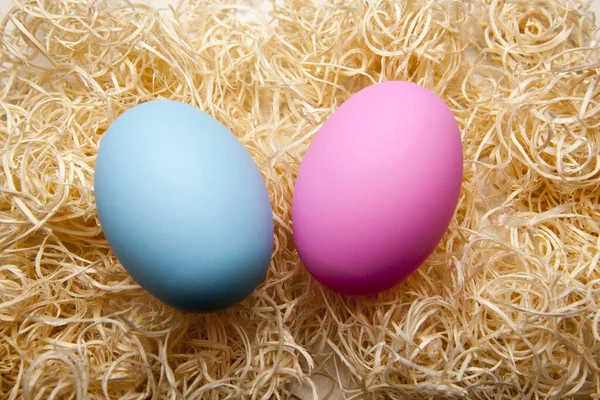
{"x":183,"y":206}
{"x":377,"y":188}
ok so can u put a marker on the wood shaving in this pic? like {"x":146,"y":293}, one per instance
{"x":506,"y":307}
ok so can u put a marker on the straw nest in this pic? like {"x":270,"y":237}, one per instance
{"x":508,"y":305}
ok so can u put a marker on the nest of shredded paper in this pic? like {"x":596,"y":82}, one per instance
{"x":508,"y":305}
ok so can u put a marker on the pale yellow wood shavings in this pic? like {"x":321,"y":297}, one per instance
{"x":507,"y":307}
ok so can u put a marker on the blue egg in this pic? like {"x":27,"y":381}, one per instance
{"x":183,"y":206}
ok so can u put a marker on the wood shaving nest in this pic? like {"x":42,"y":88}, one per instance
{"x":506,"y":307}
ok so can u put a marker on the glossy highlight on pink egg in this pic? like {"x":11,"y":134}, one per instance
{"x":377,"y":188}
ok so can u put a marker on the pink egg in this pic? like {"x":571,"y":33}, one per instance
{"x":377,"y":188}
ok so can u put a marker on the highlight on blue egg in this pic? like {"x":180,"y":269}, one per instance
{"x":183,"y":206}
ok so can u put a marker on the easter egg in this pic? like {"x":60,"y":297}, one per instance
{"x":377,"y":188}
{"x":183,"y":206}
